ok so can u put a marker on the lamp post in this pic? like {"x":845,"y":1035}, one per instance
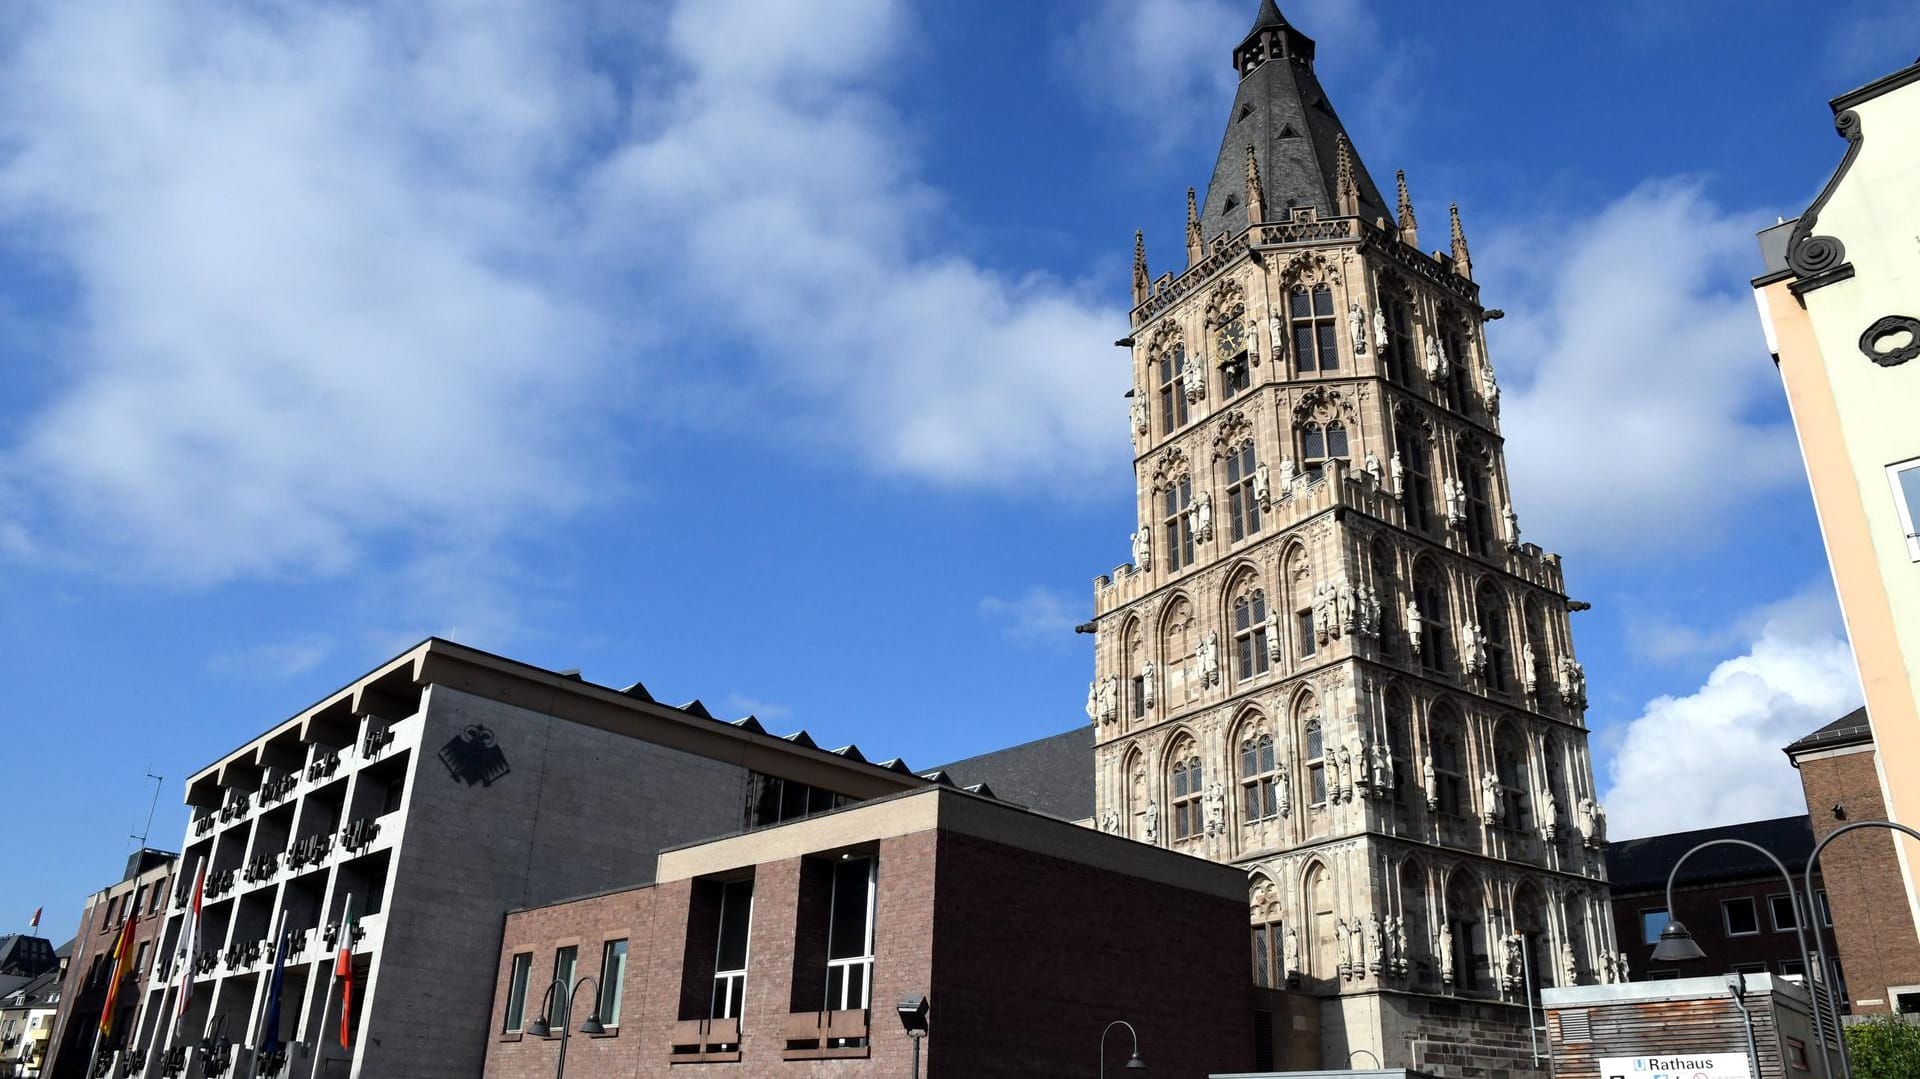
{"x":542,"y":1028}
{"x":1134,"y":1063}
{"x":1676,"y":944}
{"x":912,"y":1010}
{"x":1840,"y":1037}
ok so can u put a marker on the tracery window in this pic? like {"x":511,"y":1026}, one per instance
{"x":1459,"y":370}
{"x":1189,"y":785}
{"x":1401,"y":354}
{"x":1320,"y":443}
{"x":1250,"y":635}
{"x":1449,"y":764}
{"x":1177,"y":526}
{"x":1316,"y":761}
{"x":1466,"y":916}
{"x":1510,"y":769}
{"x":1173,"y":387}
{"x":1473,"y":478}
{"x":1259,"y":798}
{"x":1399,"y":742}
{"x":1436,"y":616}
{"x":1316,"y":337}
{"x":1492,"y":612}
{"x":1243,"y":509}
{"x":1417,"y":474}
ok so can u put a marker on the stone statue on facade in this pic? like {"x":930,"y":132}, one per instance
{"x":1513,"y":527}
{"x":1200,"y":517}
{"x":1382,"y":768}
{"x":1399,"y":930}
{"x":1343,"y":945}
{"x":1573,"y":682}
{"x":1529,"y":667}
{"x":1093,"y":702}
{"x":1473,"y":642}
{"x":1489,"y":389}
{"x":1357,"y":328}
{"x":1346,"y":772}
{"x":1262,"y":485}
{"x":1569,"y":969}
{"x":1146,"y":686}
{"x":1138,"y":410}
{"x":1489,"y":798}
{"x":1344,"y":605}
{"x":1446,"y":954}
{"x":1288,"y":473}
{"x":1291,"y":953}
{"x":1374,"y":951}
{"x":1398,"y":473}
{"x":1109,"y":821}
{"x":1416,"y":625}
{"x":1283,"y":788}
{"x":1372,"y":618}
{"x":1194,"y":376}
{"x":1625,"y":969}
{"x":1216,"y":809}
{"x":1550,"y":814}
{"x":1429,"y":783}
{"x":1372,"y":468}
{"x":1110,"y":698}
{"x":1151,"y":821}
{"x":1437,"y":366}
{"x":1142,"y":548}
{"x":1210,"y":658}
{"x":1456,"y":497}
{"x":1609,"y":969}
{"x":1379,"y":328}
{"x":1275,"y":335}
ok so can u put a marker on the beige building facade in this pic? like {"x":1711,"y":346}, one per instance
{"x":1840,"y":301}
{"x":1333,"y":660}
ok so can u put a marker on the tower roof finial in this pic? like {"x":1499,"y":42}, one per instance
{"x":1140,"y":280}
{"x":1409,"y":228}
{"x":1462,"y":262}
{"x":1269,"y":16}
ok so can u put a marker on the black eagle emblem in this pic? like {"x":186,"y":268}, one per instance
{"x":474,"y":757}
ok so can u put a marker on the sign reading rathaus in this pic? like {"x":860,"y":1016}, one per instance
{"x":1333,"y":660}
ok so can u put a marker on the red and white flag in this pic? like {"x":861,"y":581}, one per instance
{"x":35,"y":924}
{"x":190,"y":939}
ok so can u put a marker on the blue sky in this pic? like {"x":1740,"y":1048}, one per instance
{"x":761,"y":351}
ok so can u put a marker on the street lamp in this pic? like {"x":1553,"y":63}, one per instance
{"x":1134,"y":1063}
{"x":541,"y":1028}
{"x":1840,"y":1039}
{"x":1677,"y":945}
{"x":913,"y":1016}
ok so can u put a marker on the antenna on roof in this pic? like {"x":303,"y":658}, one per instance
{"x":151,"y":806}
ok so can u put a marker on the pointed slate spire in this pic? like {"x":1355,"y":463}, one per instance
{"x":1281,"y":110}
{"x":1256,"y":199}
{"x":1462,"y":263}
{"x":1194,"y":246}
{"x":1140,"y":285}
{"x":1346,"y":191}
{"x":1409,"y":228}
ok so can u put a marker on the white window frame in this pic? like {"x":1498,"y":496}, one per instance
{"x":612,"y":989}
{"x":863,"y":961}
{"x":729,"y":977}
{"x":1726,"y":922}
{"x":519,"y":973}
{"x":1773,"y":913}
{"x":1907,"y":523}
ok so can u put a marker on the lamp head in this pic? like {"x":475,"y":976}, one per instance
{"x":593,"y":1025}
{"x":1676,"y":945}
{"x":1134,"y":1063}
{"x":913,"y":1013}
{"x":539,"y":1028}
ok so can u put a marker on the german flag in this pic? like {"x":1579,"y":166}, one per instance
{"x":122,"y":966}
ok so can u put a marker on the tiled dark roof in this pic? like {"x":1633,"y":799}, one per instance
{"x":1849,"y":730}
{"x":1640,"y":864}
{"x":1281,"y":111}
{"x":1051,"y":775}
{"x":26,"y":956}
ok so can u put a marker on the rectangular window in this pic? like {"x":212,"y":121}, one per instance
{"x":1905,"y":480}
{"x":1749,"y":968}
{"x":730,"y":954}
{"x":1793,"y":968}
{"x":1785,"y":919}
{"x":850,"y":934}
{"x":517,"y":993}
{"x":1137,"y":696}
{"x":1303,"y":622}
{"x":1797,"y":1055}
{"x":1651,"y":923}
{"x":1663,"y":976}
{"x":140,"y":958}
{"x":1826,"y":912}
{"x":613,"y":976}
{"x":1742,"y":917}
{"x":563,"y":960}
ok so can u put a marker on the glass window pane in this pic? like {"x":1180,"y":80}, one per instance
{"x":1329,"y":347}
{"x":1314,"y":443}
{"x":1241,"y":617}
{"x":563,"y":959}
{"x":1783,"y":913}
{"x":1297,"y":302}
{"x":613,"y":976}
{"x":736,"y":912}
{"x":1336,"y":440}
{"x":1303,"y":346}
{"x":1651,"y":923}
{"x":847,"y":933}
{"x":1323,"y":300}
{"x":517,"y":992}
{"x":1741,"y":915}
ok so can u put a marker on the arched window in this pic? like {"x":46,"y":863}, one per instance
{"x":1316,"y":761}
{"x":1473,"y":481}
{"x":1401,"y":350}
{"x":1323,"y":957}
{"x":1134,"y":658}
{"x":1510,"y":769}
{"x":1417,"y":474}
{"x":1385,"y":590}
{"x":1320,"y":443}
{"x":1179,"y":676}
{"x":1467,"y":919}
{"x":1316,"y":337}
{"x":1449,"y":762}
{"x":1189,"y":785}
{"x":1436,"y":616}
{"x":1243,"y":509}
{"x":1173,"y":387}
{"x":1540,"y":673}
{"x":1553,"y":762}
{"x":1400,"y":741}
{"x":1175,"y":524}
{"x":1134,"y":774}
{"x":1530,"y":925}
{"x":1269,"y":955}
{"x":1231,"y":349}
{"x":1459,"y":370}
{"x":1491,"y":610}
{"x":1414,"y":922}
{"x":1259,"y":799}
{"x":1250,"y":630}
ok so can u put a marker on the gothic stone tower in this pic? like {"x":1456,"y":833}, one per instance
{"x":1333,"y":661}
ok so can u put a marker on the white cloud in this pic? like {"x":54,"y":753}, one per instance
{"x":735,"y":705}
{"x":1641,"y":407}
{"x":1661,"y":638}
{"x":273,"y":659}
{"x":1713,"y":756}
{"x":1039,"y":615}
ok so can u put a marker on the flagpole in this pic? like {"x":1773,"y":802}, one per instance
{"x":333,"y":978}
{"x":260,"y":1017}
{"x":189,"y":942}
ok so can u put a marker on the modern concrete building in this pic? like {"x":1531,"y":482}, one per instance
{"x":786,"y":951}
{"x":429,"y":797}
{"x":1840,"y":301}
{"x":140,"y":893}
{"x":1730,"y":898}
{"x":1877,"y":954}
{"x":1333,"y":660}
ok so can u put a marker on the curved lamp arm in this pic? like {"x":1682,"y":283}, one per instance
{"x":1677,"y":933}
{"x":1134,"y":1062}
{"x":1813,"y":863}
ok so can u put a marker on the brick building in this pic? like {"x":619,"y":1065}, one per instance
{"x":143,"y":887}
{"x":1730,"y":898}
{"x":1879,"y":951}
{"x":1027,"y":935}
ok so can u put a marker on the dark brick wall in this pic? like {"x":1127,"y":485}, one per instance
{"x":79,"y":1014}
{"x":1698,"y":907}
{"x":1877,"y":943}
